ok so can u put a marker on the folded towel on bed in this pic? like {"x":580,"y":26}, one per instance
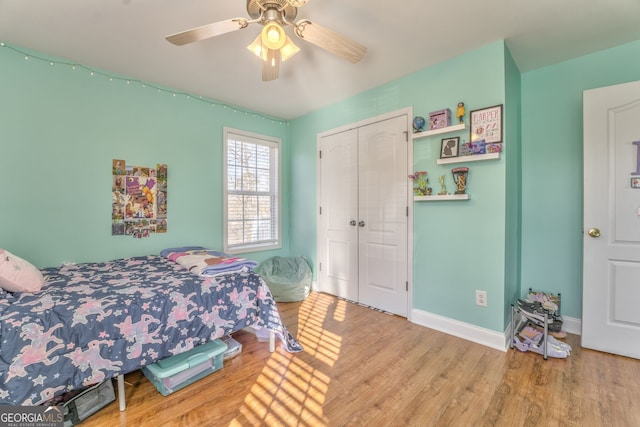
{"x":206,"y":262}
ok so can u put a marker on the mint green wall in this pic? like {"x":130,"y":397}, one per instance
{"x":552,"y":170}
{"x":59,"y":130}
{"x":458,"y":246}
{"x":513,"y":213}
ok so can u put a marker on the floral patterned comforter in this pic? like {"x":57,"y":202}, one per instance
{"x":93,"y":321}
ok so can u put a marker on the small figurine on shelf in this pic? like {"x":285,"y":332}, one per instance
{"x":443,"y":189}
{"x":460,"y":178}
{"x":460,"y":112}
{"x":420,"y":184}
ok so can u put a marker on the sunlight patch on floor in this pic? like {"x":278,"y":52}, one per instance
{"x":288,"y":391}
{"x":316,"y":340}
{"x":340,"y":312}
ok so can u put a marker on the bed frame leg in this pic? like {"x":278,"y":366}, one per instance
{"x":121,"y":399}
{"x":272,"y":341}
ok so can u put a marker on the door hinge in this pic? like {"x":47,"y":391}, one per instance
{"x":406,"y":286}
{"x":320,"y":210}
{"x":320,"y":153}
{"x":407,"y":211}
{"x":406,"y":136}
{"x":320,"y":266}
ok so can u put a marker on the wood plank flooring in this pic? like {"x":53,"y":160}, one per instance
{"x":361,"y":367}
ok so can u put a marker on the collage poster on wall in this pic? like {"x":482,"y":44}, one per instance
{"x":139,"y":200}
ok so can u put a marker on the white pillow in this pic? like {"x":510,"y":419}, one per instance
{"x":18,"y":275}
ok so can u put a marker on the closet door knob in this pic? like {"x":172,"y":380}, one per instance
{"x":594,"y":232}
{"x":361,"y":224}
{"x":352,"y":222}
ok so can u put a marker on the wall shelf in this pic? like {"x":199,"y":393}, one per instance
{"x":474,"y":158}
{"x":437,"y":197}
{"x":448,"y":129}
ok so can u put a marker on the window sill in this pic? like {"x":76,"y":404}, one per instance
{"x":252,"y":248}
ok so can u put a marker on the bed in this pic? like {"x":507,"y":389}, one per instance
{"x":91,"y":322}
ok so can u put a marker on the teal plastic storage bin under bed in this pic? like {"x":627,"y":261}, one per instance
{"x":176,"y":372}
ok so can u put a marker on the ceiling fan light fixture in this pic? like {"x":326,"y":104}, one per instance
{"x":256,"y":48}
{"x":288,"y":49}
{"x":272,"y":45}
{"x":273,"y":36}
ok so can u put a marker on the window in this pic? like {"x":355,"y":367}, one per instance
{"x":252,"y":192}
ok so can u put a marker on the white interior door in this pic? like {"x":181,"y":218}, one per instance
{"x":382,"y":216}
{"x":363,"y":223}
{"x":337,"y":222}
{"x":611,"y":273}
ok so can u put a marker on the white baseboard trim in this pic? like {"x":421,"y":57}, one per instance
{"x":571,"y":325}
{"x":473,"y":333}
{"x":467,"y":331}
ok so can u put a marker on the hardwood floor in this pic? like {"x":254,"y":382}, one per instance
{"x":361,"y":367}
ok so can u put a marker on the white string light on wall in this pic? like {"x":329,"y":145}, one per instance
{"x":128,"y":81}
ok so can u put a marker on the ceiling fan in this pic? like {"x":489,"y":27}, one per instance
{"x":273,"y":45}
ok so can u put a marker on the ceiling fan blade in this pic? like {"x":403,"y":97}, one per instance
{"x":330,"y":40}
{"x":271,"y":65}
{"x":206,"y":31}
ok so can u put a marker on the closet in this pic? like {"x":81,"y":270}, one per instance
{"x":363,"y":213}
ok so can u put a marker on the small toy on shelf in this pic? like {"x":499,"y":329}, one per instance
{"x":465,"y":149}
{"x":478,"y":147}
{"x":443,"y":187}
{"x":460,"y":112}
{"x":420,"y":183}
{"x":494,"y":148}
{"x":460,"y":178}
{"x":418,"y":123}
{"x":439,"y":119}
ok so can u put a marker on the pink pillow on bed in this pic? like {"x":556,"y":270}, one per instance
{"x":18,"y":275}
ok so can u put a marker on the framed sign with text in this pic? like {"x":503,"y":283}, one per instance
{"x":486,"y":124}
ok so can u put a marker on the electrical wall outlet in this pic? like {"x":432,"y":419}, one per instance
{"x":481,"y":298}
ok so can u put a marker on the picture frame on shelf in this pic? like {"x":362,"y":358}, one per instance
{"x":449,"y":147}
{"x":486,"y":124}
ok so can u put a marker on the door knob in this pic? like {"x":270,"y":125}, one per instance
{"x":361,"y":223}
{"x":352,"y":222}
{"x":594,"y":232}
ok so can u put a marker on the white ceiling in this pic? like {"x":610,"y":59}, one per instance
{"x":127,"y":37}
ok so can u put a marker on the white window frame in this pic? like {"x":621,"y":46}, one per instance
{"x":274,"y":191}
